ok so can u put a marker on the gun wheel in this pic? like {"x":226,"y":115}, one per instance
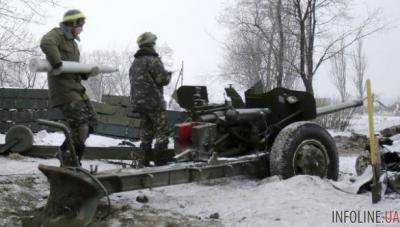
{"x":23,"y":135}
{"x":304,"y":148}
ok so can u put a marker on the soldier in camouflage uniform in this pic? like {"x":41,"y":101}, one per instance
{"x":66,"y":92}
{"x":148,"y":77}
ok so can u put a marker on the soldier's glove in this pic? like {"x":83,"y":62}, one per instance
{"x":163,"y":79}
{"x":56,"y":69}
{"x":93,"y":72}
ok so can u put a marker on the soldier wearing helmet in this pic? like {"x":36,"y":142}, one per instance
{"x":148,"y":77}
{"x":66,"y":92}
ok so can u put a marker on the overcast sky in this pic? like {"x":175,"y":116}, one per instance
{"x":190,"y":28}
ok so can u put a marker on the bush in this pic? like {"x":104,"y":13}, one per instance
{"x":339,"y":120}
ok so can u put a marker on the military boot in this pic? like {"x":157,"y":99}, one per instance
{"x":65,"y":157}
{"x":79,"y":149}
{"x":148,"y":154}
{"x":162,"y":155}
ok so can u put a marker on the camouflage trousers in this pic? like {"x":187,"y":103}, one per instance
{"x":154,"y":126}
{"x":81,"y":119}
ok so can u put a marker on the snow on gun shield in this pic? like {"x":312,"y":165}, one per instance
{"x":41,"y":65}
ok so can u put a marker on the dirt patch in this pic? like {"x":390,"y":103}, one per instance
{"x":146,"y":216}
{"x":353,"y":145}
{"x":22,"y":197}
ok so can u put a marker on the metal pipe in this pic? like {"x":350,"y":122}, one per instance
{"x":246,"y":114}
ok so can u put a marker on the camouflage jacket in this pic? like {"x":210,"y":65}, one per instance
{"x":148,"y":77}
{"x":63,"y":88}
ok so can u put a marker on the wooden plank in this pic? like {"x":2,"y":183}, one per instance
{"x":106,"y":119}
{"x":23,"y":93}
{"x":22,"y":116}
{"x":102,"y":108}
{"x":134,"y":123}
{"x":7,"y":103}
{"x":119,"y":120}
{"x":23,"y":103}
{"x":40,"y":114}
{"x":5,"y":115}
{"x":115,"y":100}
{"x":54,"y":114}
{"x":117,"y":131}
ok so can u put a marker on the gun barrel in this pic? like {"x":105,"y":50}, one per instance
{"x":41,"y":65}
{"x":338,"y":107}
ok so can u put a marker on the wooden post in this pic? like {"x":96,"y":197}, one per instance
{"x":376,"y":187}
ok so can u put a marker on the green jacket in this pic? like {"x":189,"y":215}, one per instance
{"x":63,"y":88}
{"x":148,"y":77}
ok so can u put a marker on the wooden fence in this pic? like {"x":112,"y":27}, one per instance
{"x":24,"y":106}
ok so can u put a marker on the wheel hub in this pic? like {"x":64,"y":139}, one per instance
{"x":311,"y":158}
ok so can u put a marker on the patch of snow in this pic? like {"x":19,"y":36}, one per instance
{"x":339,"y":133}
{"x":46,"y":138}
{"x":347,"y":164}
{"x":57,"y":138}
{"x":102,"y":141}
{"x":30,"y":165}
{"x":359,"y":124}
{"x":298,"y":201}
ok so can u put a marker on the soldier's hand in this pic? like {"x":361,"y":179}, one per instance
{"x":93,"y":72}
{"x":56,"y":69}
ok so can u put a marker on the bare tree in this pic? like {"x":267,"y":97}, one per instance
{"x":167,"y":56}
{"x":258,"y":47}
{"x":16,"y":43}
{"x":339,"y":72}
{"x":15,"y":15}
{"x":110,"y":84}
{"x":279,"y":40}
{"x":360,"y":67}
{"x":319,"y":19}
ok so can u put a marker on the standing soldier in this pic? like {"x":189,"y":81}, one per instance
{"x":66,"y":92}
{"x":148,"y":77}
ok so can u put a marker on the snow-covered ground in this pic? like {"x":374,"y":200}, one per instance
{"x":359,"y":124}
{"x":57,"y":138}
{"x":298,"y":201}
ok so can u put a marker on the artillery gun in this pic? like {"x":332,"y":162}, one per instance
{"x":276,"y":122}
{"x":269,"y":134}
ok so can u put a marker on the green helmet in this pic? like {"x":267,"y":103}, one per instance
{"x":74,"y":16}
{"x":146,"y":38}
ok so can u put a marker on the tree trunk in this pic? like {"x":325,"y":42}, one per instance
{"x":281,"y":44}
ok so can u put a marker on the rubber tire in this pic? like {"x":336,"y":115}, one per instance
{"x":287,"y":141}
{"x":23,"y":134}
